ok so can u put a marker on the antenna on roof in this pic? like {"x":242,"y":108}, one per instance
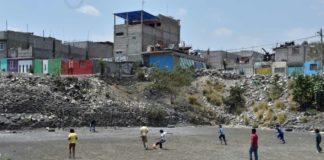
{"x":143,"y":4}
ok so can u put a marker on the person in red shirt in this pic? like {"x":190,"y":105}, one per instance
{"x":254,"y":145}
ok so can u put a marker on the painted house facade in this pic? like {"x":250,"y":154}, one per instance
{"x":3,"y":65}
{"x":170,"y":59}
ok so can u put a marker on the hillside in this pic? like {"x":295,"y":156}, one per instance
{"x":29,"y":101}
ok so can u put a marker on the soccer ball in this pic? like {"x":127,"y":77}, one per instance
{"x":154,"y":146}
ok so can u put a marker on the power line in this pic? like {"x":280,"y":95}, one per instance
{"x":269,"y":44}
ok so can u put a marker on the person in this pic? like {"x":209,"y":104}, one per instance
{"x":93,"y":126}
{"x":222,"y":134}
{"x":318,"y":139}
{"x":254,"y":145}
{"x":144,"y":131}
{"x":280,"y":134}
{"x":72,"y":138}
{"x":162,"y":139}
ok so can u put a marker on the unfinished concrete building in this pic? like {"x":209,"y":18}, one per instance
{"x":141,"y":31}
{"x":27,"y":45}
{"x":238,"y":62}
{"x":95,"y":50}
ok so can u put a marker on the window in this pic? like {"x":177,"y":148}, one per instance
{"x":279,"y":70}
{"x":134,"y":37}
{"x":119,"y":33}
{"x":119,"y":52}
{"x":313,"y":67}
{"x":2,"y":46}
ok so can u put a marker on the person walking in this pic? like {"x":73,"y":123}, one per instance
{"x":254,"y":145}
{"x":72,"y":138}
{"x":318,"y":139}
{"x":222,"y":134}
{"x":162,"y":139}
{"x":280,"y":134}
{"x":93,"y":126}
{"x":144,"y":131}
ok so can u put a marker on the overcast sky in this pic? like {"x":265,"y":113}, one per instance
{"x":214,"y":24}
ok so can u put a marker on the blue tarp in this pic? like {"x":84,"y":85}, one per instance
{"x":136,"y":16}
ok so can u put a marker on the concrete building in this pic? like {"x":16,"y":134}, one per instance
{"x":27,"y":45}
{"x":95,"y":49}
{"x":239,"y":62}
{"x":141,"y":30}
{"x":291,"y":53}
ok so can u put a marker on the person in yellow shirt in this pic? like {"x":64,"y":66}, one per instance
{"x":144,"y":130}
{"x":72,"y":138}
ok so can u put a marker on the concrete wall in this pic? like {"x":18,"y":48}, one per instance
{"x":279,"y":68}
{"x":95,"y":49}
{"x":42,"y":47}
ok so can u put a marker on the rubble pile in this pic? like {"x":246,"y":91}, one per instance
{"x":29,"y":101}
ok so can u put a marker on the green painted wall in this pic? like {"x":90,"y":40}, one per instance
{"x":54,"y":66}
{"x":38,"y":66}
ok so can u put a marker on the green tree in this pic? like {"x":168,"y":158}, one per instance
{"x":235,"y":101}
{"x":172,"y":81}
{"x":318,"y":89}
{"x":303,"y":91}
{"x":276,"y":88}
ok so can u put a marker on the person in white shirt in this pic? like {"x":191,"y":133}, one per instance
{"x":162,"y":139}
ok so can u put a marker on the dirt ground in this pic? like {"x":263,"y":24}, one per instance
{"x":186,"y":143}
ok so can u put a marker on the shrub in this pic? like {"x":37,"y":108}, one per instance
{"x":269,"y":116}
{"x":276,"y":89}
{"x":281,"y":118}
{"x":261,"y":106}
{"x":246,"y":120}
{"x":255,"y":125}
{"x":215,"y":99}
{"x":205,"y":92}
{"x":304,"y":120}
{"x":235,"y":100}
{"x":192,"y":100}
{"x":280,"y":105}
{"x":141,"y":76}
{"x":259,"y":115}
{"x":155,"y":114}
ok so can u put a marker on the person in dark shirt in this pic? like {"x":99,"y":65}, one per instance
{"x":93,"y":126}
{"x":254,"y":145}
{"x":318,"y":139}
{"x":280,"y":134}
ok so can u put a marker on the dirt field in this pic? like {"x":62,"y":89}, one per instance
{"x":188,"y":143}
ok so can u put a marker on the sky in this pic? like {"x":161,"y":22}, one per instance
{"x":215,"y":24}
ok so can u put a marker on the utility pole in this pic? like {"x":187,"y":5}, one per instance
{"x":6,"y":25}
{"x":320,"y":33}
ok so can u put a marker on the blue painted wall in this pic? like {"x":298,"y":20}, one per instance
{"x":292,"y":71}
{"x":309,"y":71}
{"x":3,"y":65}
{"x":162,"y":61}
